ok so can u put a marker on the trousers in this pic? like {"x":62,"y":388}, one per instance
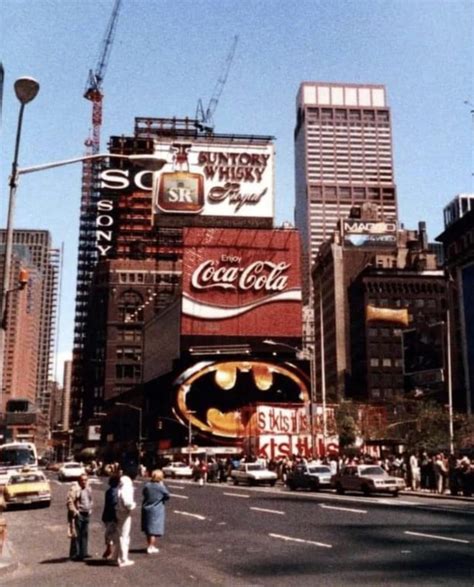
{"x":124,"y":525}
{"x":78,"y":547}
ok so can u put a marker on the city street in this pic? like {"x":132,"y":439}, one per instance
{"x":226,"y":535}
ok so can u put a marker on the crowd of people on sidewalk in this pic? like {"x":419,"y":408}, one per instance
{"x":435,"y":472}
{"x":119,"y":503}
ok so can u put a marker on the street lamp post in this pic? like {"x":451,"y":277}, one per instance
{"x":307,"y":354}
{"x":26,"y":89}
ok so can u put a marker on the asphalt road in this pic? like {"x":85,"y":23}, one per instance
{"x":240,"y":536}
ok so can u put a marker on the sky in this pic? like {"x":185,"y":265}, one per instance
{"x":168,"y":54}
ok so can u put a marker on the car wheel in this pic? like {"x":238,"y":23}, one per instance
{"x":235,"y":482}
{"x":339,"y":488}
{"x":46,"y":504}
{"x":365,"y":489}
{"x":395,"y":493}
{"x":272,"y":483}
{"x":291,"y":485}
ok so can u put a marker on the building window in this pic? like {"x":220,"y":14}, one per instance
{"x":130,"y":307}
{"x":386,"y":362}
{"x":374,"y":362}
{"x":129,"y":353}
{"x":127,"y":371}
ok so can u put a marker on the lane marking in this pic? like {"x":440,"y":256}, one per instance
{"x":197,"y":516}
{"x":236,"y":494}
{"x":300,"y":540}
{"x":333,"y":507}
{"x":437,"y":537}
{"x":268,"y":511}
{"x":180,"y":487}
{"x":179,"y":496}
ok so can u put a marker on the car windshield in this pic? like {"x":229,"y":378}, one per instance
{"x":255,"y":467}
{"x":72,"y":466}
{"x":319,"y":470}
{"x":372,"y":471}
{"x":16,"y":479}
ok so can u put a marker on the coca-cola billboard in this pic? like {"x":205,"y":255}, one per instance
{"x":244,"y":282}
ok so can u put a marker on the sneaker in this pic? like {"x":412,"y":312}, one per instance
{"x":127,"y":563}
{"x":152,"y":550}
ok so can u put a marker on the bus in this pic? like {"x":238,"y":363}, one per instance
{"x":15,"y":456}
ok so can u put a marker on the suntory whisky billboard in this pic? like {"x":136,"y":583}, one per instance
{"x":214,"y":180}
{"x":211,"y":179}
{"x":241,"y":282}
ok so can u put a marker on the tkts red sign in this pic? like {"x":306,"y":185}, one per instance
{"x":241,"y":282}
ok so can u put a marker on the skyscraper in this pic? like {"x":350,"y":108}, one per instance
{"x":343,"y":157}
{"x":33,"y":250}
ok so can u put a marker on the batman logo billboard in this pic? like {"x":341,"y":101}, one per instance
{"x":217,"y":397}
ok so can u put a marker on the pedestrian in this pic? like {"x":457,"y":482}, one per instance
{"x":109,"y":517}
{"x":415,"y":474}
{"x":155,"y":495}
{"x":79,"y":507}
{"x":125,"y":505}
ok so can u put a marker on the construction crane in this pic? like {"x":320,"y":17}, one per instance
{"x":205,"y":117}
{"x":93,"y":91}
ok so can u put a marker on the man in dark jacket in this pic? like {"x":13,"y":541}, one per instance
{"x":109,"y":517}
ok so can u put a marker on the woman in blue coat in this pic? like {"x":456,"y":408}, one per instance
{"x":155,"y":495}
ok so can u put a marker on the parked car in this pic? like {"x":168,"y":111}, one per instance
{"x":368,"y":479}
{"x":71,"y":471}
{"x":177,"y":469}
{"x":308,"y":476}
{"x":253,"y":474}
{"x":26,"y":488}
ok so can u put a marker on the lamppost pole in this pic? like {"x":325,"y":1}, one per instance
{"x":26,"y":89}
{"x":323,"y":366}
{"x":450,"y":380}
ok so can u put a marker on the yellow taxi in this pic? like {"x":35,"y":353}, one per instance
{"x":27,"y":487}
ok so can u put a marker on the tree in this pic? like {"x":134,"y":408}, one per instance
{"x":346,"y":421}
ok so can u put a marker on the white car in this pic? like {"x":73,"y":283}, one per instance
{"x":253,"y":474}
{"x":174,"y":470}
{"x":71,"y":471}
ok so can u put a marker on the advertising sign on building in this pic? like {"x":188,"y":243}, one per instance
{"x":215,"y":180}
{"x":219,"y":178}
{"x":369,"y":233}
{"x":238,"y":399}
{"x":241,"y":282}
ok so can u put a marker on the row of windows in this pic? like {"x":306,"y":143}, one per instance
{"x":148,"y":277}
{"x":347,"y":114}
{"x":386,"y":362}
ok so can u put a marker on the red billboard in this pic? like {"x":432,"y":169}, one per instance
{"x":241,"y":282}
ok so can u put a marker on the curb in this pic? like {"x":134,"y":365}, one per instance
{"x":438,"y":495}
